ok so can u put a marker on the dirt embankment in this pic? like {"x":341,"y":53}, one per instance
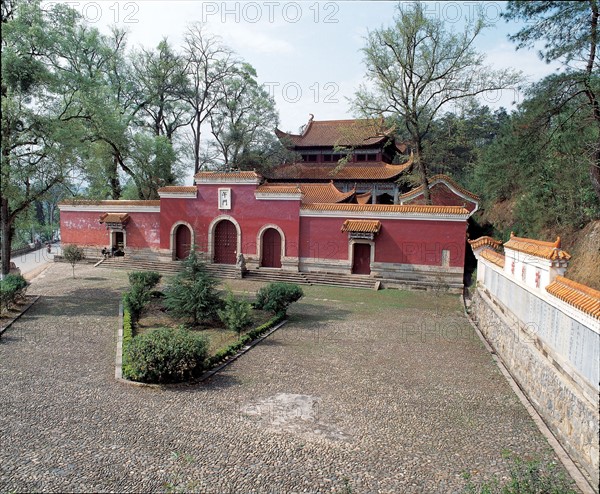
{"x":584,"y":246}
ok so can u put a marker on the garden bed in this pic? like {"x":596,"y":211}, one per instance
{"x":219,"y":337}
{"x":16,"y":311}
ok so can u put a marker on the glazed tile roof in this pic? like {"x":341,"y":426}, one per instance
{"x":436,"y":179}
{"x":267,"y":188}
{"x":539,"y":248}
{"x":364,"y":198}
{"x":485,"y":241}
{"x":109,"y":202}
{"x":388,"y":208}
{"x":311,"y":193}
{"x":373,"y":171}
{"x":493,"y":256}
{"x":329,"y":133}
{"x":114,"y":218}
{"x":237,"y":175}
{"x":178,"y":188}
{"x":361,"y":226}
{"x":582,"y":297}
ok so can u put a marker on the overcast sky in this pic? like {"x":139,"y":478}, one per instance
{"x":306,"y":53}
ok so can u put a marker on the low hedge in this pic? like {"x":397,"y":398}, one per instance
{"x":250,"y":336}
{"x":127,"y":337}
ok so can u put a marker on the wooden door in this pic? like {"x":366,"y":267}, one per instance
{"x":183,"y":241}
{"x":362,"y":259}
{"x":271,"y":249}
{"x":225,"y":243}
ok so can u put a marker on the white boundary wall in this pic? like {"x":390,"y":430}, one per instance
{"x":552,"y":349}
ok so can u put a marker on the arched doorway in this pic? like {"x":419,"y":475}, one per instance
{"x":271,"y":249}
{"x":183,"y":242}
{"x":225,"y":243}
{"x":361,"y":263}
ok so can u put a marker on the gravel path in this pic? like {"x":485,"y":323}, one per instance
{"x":360,"y":392}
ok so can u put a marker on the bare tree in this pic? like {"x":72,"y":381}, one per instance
{"x":209,"y":63}
{"x":417,"y":67}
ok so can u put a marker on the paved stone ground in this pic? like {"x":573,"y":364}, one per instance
{"x":360,"y":392}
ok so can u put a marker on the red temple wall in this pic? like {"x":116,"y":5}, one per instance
{"x":250,"y":213}
{"x":399,"y":241}
{"x":84,"y":228}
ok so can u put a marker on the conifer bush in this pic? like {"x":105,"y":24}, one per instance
{"x":193,"y":295}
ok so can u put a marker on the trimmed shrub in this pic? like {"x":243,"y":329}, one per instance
{"x":166,"y":355}
{"x":236,"y":314}
{"x":147,"y":279}
{"x":277,"y":297}
{"x":11,"y":288}
{"x":193,"y":295}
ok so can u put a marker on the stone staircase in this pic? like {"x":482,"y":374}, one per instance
{"x":227,"y":271}
{"x":305,"y":278}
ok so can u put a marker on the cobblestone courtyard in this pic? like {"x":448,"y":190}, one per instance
{"x":359,"y":392}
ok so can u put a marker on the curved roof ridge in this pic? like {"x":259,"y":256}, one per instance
{"x":539,"y":248}
{"x":485,"y":241}
{"x":440,"y":177}
{"x":580,"y":296}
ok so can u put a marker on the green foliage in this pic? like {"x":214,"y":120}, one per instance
{"x":166,"y":355}
{"x":12,"y":287}
{"x":193,"y":295}
{"x":236,"y":314}
{"x":526,"y":477}
{"x":127,"y":337}
{"x":136,"y":299}
{"x":539,"y":163}
{"x":147,"y":279}
{"x":250,"y":336}
{"x":73,"y":254}
{"x":277,"y":297}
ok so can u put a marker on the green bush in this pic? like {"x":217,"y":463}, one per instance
{"x":236,"y":314}
{"x":11,"y":288}
{"x":166,"y":355}
{"x":277,"y":297}
{"x":193,"y":295}
{"x":135,"y":300}
{"x":148,"y":279}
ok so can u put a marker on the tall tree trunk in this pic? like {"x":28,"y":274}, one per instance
{"x":196,"y":133}
{"x":421,"y":167}
{"x":113,"y":178}
{"x":7,"y":233}
{"x":592,"y":97}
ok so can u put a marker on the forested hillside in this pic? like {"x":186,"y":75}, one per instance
{"x":535,"y":166}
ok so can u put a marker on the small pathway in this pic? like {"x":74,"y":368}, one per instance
{"x":393,"y":393}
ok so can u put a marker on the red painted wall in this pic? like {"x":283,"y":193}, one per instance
{"x":250,"y":213}
{"x":398,"y":241}
{"x":442,"y":195}
{"x":84,"y":228}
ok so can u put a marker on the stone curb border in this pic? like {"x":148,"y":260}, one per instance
{"x":206,"y":375}
{"x":570,"y":466}
{"x":18,"y":316}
